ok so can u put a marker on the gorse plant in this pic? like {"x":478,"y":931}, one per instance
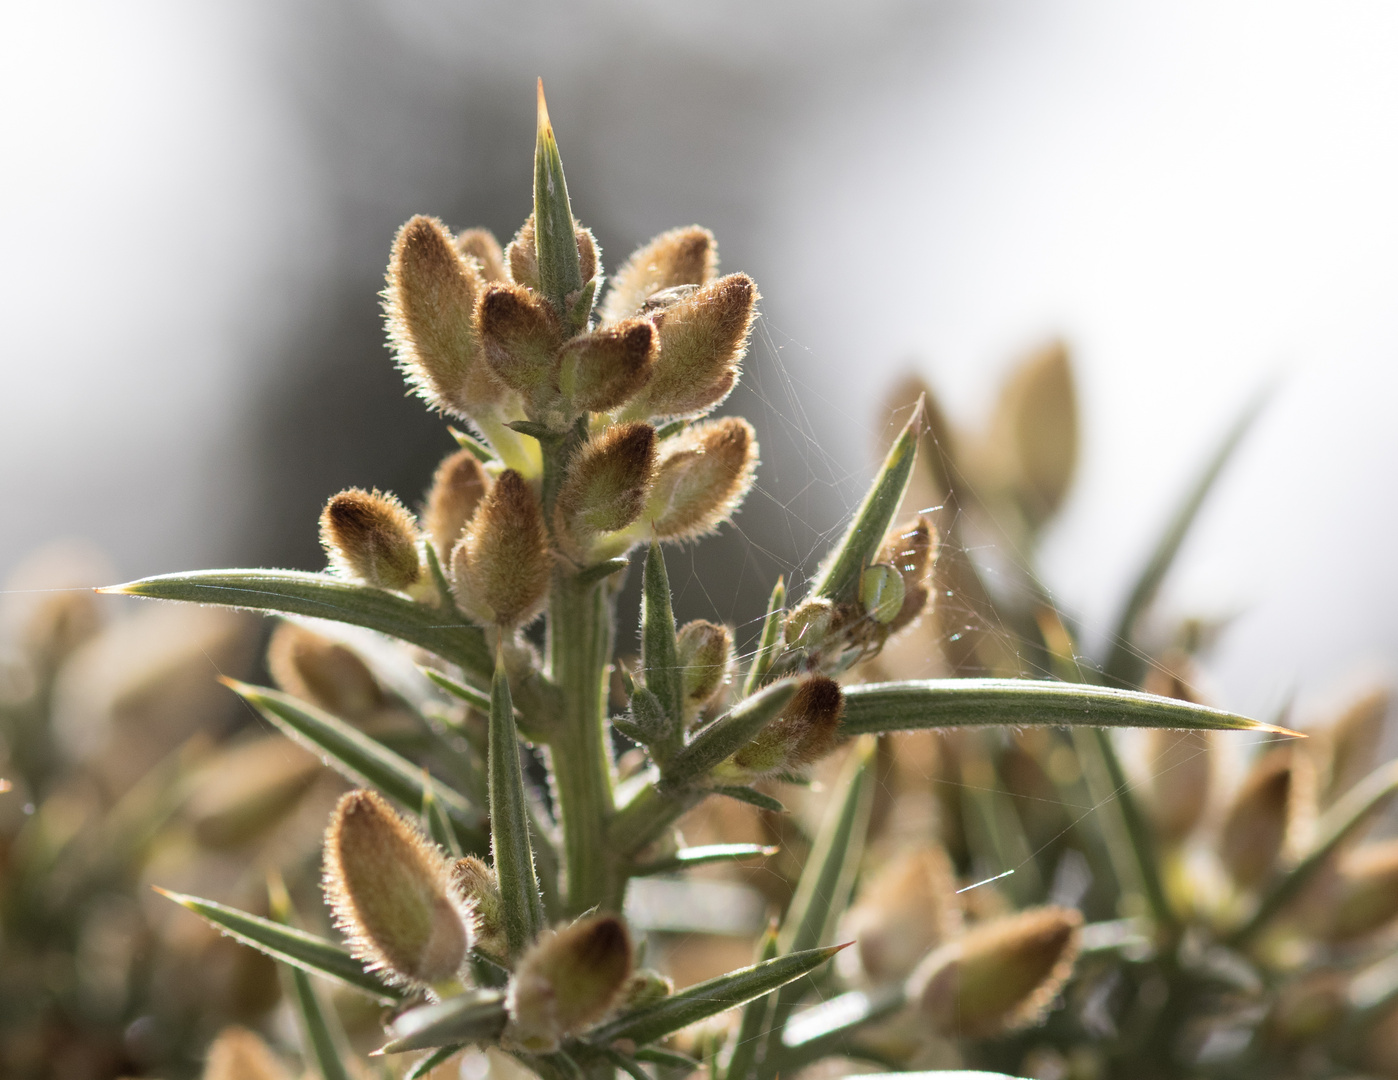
{"x":479,"y":872}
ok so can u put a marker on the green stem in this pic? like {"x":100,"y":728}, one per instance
{"x":580,"y":644}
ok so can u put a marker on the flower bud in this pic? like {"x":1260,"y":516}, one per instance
{"x":522,"y":256}
{"x":239,"y":1054}
{"x":481,"y":245}
{"x":1254,"y":828}
{"x":567,"y":981}
{"x":323,"y":672}
{"x":1181,"y":769}
{"x":520,"y":336}
{"x":247,"y":789}
{"x":391,"y":893}
{"x":705,"y":652}
{"x":703,"y":476}
{"x":1036,"y":426}
{"x":457,"y":488}
{"x":1353,"y":742}
{"x":702,"y":339}
{"x":500,"y":569}
{"x":476,"y":884}
{"x":810,"y":625}
{"x":604,"y":369}
{"x":807,"y":729}
{"x":1365,"y":894}
{"x":906,"y":909}
{"x":645,"y":987}
{"x":430,"y":304}
{"x":911,"y":549}
{"x":1000,"y":977}
{"x":686,"y":256}
{"x":606,"y":486}
{"x":372,"y":537}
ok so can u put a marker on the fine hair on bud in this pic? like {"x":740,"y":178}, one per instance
{"x":702,"y":340}
{"x":606,"y":486}
{"x":430,"y":304}
{"x":907,"y":908}
{"x":392,"y":895}
{"x":704,"y":474}
{"x":1002,"y":976}
{"x":1255,"y":825}
{"x":500,"y":568}
{"x":568,"y":980}
{"x":911,"y":549}
{"x":705,"y":653}
{"x":604,"y":369}
{"x":477,"y":885}
{"x":520,"y":336}
{"x":687,"y":256}
{"x":807,"y":729}
{"x":522,"y":256}
{"x":481,"y":245}
{"x":371,"y":536}
{"x":239,"y":1054}
{"x":323,"y":672}
{"x":457,"y":488}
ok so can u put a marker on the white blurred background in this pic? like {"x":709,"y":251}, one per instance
{"x":196,"y":203}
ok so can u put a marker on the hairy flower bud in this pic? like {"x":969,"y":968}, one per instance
{"x":500,"y":569}
{"x":606,"y":486}
{"x":323,"y":672}
{"x":1181,"y":769}
{"x":911,"y":549}
{"x":481,"y":245}
{"x":520,"y":336}
{"x":807,"y":729}
{"x":704,"y":474}
{"x":567,"y":981}
{"x":522,"y":256}
{"x":239,"y":1054}
{"x":602,"y":370}
{"x":1000,"y":977}
{"x":1035,"y":431}
{"x":1353,"y":741}
{"x":391,"y":893}
{"x":372,"y":537}
{"x":430,"y":303}
{"x":907,"y":908}
{"x":477,"y":885}
{"x":702,"y":339}
{"x":1365,"y":895}
{"x":458,"y":486}
{"x":705,"y":654}
{"x":1254,"y":828}
{"x":247,"y":789}
{"x":645,"y":987}
{"x":687,"y":256}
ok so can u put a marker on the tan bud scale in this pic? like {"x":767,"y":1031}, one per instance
{"x":705,"y":653}
{"x":1254,"y":827}
{"x":687,"y":256}
{"x":323,"y":672}
{"x":371,"y":536}
{"x":807,"y":729}
{"x":705,"y":472}
{"x":477,"y":885}
{"x":907,"y":908}
{"x":392,"y":895}
{"x":602,"y":370}
{"x":567,"y":981}
{"x":606,"y":486}
{"x":481,"y":245}
{"x":500,"y":569}
{"x":520,"y":336}
{"x":457,"y":489}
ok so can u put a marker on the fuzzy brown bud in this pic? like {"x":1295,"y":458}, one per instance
{"x":1353,"y":742}
{"x":458,"y":486}
{"x":1180,"y":764}
{"x":371,"y":536}
{"x":567,"y":981}
{"x":606,"y":486}
{"x":807,"y":729}
{"x":1036,"y":427}
{"x":687,"y":256}
{"x":476,"y":883}
{"x":247,"y":789}
{"x":702,"y":340}
{"x":1254,"y":828}
{"x":430,"y":303}
{"x":1365,"y":893}
{"x":500,"y":569}
{"x":604,"y":369}
{"x":705,"y":653}
{"x":1000,"y":977}
{"x":704,"y":474}
{"x":906,"y":909}
{"x":520,"y":336}
{"x":522,"y":256}
{"x":392,"y":895}
{"x":481,"y":245}
{"x":911,"y":549}
{"x":239,"y":1054}
{"x":323,"y":672}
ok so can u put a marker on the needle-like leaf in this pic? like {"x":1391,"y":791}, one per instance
{"x":477,"y":1015}
{"x":729,"y":733}
{"x":660,"y":652}
{"x":769,"y":644}
{"x":520,"y":903}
